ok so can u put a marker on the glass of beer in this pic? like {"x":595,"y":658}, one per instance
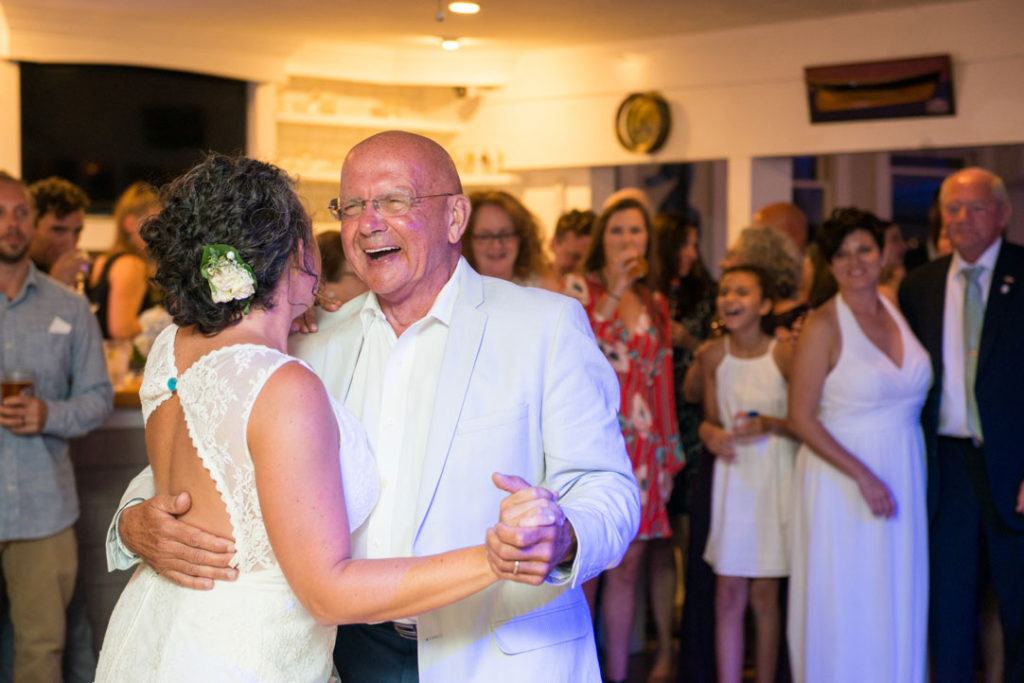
{"x":17,"y":383}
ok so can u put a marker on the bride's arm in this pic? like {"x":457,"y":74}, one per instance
{"x":293,"y":438}
{"x":816,"y":353}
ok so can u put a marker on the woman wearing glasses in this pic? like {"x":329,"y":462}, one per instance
{"x":631,"y":320}
{"x":502,"y":241}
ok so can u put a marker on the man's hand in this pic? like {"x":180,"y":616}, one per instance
{"x":532,"y":535}
{"x":70,"y":266}
{"x":23,"y":415}
{"x":181,"y":552}
{"x":306,"y":323}
{"x":1020,"y":499}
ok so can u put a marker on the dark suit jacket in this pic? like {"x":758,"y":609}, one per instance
{"x":999,"y":387}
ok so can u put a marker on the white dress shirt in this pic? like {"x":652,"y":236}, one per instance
{"x":393,"y":388}
{"x":953,"y":407}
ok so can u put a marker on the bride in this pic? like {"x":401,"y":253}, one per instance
{"x":252,"y":434}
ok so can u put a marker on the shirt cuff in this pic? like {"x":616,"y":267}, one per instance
{"x":118,"y":555}
{"x":566,"y":573}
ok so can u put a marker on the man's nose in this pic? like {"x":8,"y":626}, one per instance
{"x":370,"y":220}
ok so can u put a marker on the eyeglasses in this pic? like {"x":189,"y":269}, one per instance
{"x":494,"y":238}
{"x":390,"y":205}
{"x":973,"y":208}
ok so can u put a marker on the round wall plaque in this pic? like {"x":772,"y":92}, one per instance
{"x":643,"y":122}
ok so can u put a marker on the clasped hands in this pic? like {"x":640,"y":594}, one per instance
{"x":532,"y":535}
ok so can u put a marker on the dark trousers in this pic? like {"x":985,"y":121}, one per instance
{"x":697,"y":634}
{"x":964,"y":525}
{"x":375,"y":653}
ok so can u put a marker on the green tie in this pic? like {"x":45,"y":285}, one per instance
{"x":974,"y":308}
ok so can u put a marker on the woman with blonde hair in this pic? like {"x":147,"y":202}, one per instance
{"x":119,"y":284}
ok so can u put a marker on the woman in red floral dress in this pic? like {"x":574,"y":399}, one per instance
{"x":631,"y":323}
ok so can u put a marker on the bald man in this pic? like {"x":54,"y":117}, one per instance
{"x":786,"y":218}
{"x":455,"y":376}
{"x":973,"y":420}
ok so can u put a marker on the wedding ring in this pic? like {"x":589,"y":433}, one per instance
{"x":515,"y":570}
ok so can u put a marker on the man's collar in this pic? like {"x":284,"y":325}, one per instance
{"x":32,"y":276}
{"x":987,"y":258}
{"x":441,"y":310}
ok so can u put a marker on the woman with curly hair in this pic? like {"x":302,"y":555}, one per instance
{"x":630,"y":318}
{"x":502,"y":240}
{"x":252,"y":435}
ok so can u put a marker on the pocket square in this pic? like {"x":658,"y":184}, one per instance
{"x":60,"y":326}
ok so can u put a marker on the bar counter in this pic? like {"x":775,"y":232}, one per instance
{"x":105,"y":461}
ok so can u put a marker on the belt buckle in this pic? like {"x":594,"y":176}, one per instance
{"x":407,"y":631}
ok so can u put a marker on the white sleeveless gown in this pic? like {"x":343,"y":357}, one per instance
{"x":858,"y":589}
{"x":254,"y":628}
{"x":750,"y":496}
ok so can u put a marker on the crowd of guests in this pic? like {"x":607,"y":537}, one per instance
{"x":803,"y":495}
{"x":816,"y":434}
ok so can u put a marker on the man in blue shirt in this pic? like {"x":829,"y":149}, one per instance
{"x":48,"y":331}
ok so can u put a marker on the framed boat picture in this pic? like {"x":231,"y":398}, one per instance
{"x":918,"y":86}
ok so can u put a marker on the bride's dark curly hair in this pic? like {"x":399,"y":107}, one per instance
{"x":247,"y":204}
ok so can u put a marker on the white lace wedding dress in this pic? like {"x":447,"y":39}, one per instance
{"x":254,"y":628}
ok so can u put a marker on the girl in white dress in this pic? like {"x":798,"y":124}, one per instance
{"x":744,"y":380}
{"x":252,"y":435}
{"x":858,"y":590}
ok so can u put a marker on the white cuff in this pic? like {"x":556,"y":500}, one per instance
{"x":118,"y":555}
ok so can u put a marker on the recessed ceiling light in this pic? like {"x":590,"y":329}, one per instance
{"x":464,"y":7}
{"x":450,"y":44}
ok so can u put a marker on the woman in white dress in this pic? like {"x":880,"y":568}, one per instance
{"x":251,"y":433}
{"x":858,"y":591}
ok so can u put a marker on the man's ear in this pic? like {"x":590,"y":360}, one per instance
{"x":459,"y":209}
{"x":1007,"y":212}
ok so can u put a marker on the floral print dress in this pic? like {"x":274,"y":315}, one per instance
{"x":642,"y":359}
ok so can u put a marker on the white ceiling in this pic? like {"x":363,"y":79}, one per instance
{"x":501,"y":24}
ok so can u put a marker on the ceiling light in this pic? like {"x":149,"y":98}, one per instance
{"x":464,"y":7}
{"x":450,"y":44}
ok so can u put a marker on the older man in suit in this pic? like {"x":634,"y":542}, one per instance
{"x":455,"y":376}
{"x":968,"y":311}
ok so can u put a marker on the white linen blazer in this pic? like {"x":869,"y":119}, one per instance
{"x":524,"y":390}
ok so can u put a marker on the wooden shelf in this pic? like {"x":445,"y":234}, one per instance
{"x":370,"y":122}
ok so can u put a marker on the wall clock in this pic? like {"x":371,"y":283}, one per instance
{"x":643,"y":122}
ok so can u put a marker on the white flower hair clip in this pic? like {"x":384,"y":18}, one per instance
{"x":230,"y":277}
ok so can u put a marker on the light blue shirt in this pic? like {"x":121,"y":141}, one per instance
{"x":48,"y":329}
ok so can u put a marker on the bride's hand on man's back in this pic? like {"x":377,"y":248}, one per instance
{"x":185,"y":554}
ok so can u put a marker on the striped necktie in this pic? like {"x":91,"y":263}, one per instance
{"x":974,"y":310}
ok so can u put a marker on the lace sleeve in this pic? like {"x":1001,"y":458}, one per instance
{"x":160,"y":377}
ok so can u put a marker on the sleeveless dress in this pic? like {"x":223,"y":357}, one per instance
{"x":750,"y":497}
{"x":99,"y":294}
{"x":858,"y":589}
{"x":253,"y":628}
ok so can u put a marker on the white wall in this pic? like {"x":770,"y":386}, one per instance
{"x":10,"y":118}
{"x":739,"y":95}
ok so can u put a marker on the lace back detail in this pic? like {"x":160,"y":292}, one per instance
{"x":217,"y":394}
